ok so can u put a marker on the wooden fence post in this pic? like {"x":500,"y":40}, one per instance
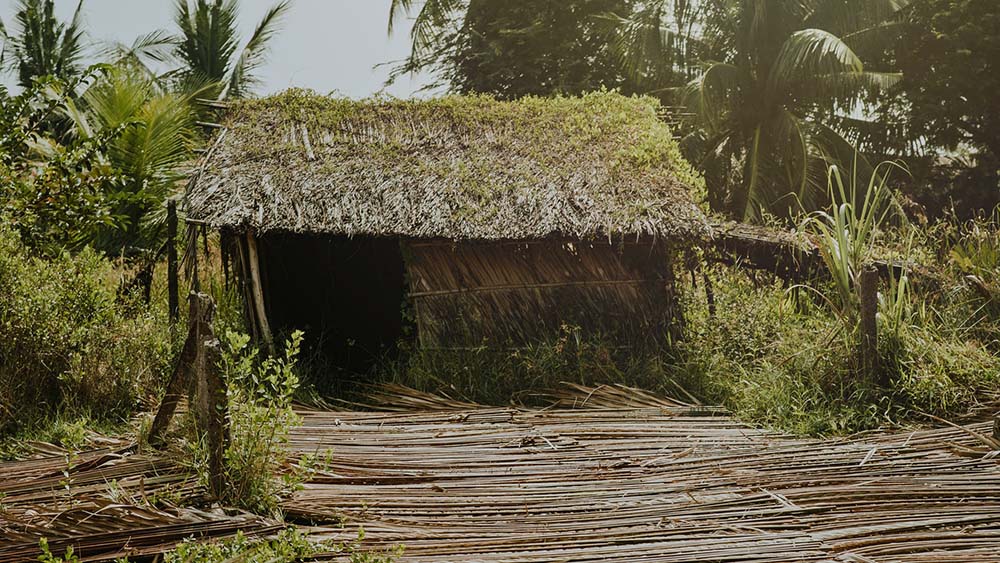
{"x":709,"y":293}
{"x":868,"y":349}
{"x":209,"y":402}
{"x":173,"y":296}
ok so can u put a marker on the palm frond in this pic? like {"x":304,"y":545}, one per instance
{"x":754,"y":198}
{"x":434,"y":16}
{"x":208,"y":38}
{"x":71,"y":44}
{"x":155,"y":47}
{"x":712,"y":96}
{"x":843,"y":17}
{"x":646,"y":45}
{"x":810,"y":53}
{"x":875,"y":39}
{"x":241,"y":77}
{"x":396,"y":11}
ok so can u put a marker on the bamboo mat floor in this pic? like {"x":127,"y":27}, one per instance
{"x":608,"y":474}
{"x":613,"y":475}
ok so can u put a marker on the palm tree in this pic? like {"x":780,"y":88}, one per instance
{"x":152,"y":134}
{"x":41,"y":45}
{"x":771,"y":110}
{"x":429,"y":25}
{"x":209,"y":44}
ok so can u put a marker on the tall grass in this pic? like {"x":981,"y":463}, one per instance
{"x":847,"y":235}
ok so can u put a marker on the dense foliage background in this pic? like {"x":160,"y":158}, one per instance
{"x":766,"y":96}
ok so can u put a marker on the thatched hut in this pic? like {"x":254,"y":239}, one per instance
{"x":475,"y":221}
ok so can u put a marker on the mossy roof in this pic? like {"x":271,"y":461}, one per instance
{"x":457,"y":167}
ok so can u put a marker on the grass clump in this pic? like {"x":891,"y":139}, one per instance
{"x":498,"y":376}
{"x":69,"y":342}
{"x":288,"y":546}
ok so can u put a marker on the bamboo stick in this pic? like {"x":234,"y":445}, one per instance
{"x":257,"y":292}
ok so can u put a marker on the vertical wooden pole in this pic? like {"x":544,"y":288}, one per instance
{"x":709,"y":294}
{"x":868,"y":349}
{"x":198,"y":372}
{"x":173,"y":297}
{"x":257,"y":292}
{"x":210,"y":407}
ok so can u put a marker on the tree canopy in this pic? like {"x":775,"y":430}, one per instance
{"x":771,"y":101}
{"x":948,"y":54}
{"x":41,"y":45}
{"x":517,"y":47}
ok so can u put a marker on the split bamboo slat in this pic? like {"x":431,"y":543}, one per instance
{"x":107,"y":504}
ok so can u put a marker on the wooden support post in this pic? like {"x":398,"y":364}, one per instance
{"x":868,"y":350}
{"x":257,"y":292}
{"x":996,"y":427}
{"x":173,"y":296}
{"x":709,"y":294}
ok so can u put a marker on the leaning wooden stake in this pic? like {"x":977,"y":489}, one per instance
{"x":868,"y":349}
{"x":257,"y":292}
{"x":197,"y":373}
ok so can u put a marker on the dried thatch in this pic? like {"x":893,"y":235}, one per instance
{"x":455,"y":168}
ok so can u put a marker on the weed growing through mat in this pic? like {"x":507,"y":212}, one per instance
{"x":48,"y":557}
{"x":260,"y":391}
{"x":287,"y":546}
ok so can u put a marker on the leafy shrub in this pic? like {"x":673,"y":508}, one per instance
{"x":68,"y":342}
{"x":261,"y":417}
{"x":778,"y":359}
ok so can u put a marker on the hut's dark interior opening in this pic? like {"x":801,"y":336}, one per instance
{"x":346,"y":294}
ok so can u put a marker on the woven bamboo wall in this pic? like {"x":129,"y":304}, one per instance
{"x":512,"y":294}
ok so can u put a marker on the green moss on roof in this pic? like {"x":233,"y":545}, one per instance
{"x":454,"y":167}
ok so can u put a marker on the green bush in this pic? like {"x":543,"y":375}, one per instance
{"x":775,"y":357}
{"x":68,"y":342}
{"x":260,"y":392}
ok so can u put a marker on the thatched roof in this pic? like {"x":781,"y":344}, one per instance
{"x":456,"y":167}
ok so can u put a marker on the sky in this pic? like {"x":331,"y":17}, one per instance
{"x":330,"y":46}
